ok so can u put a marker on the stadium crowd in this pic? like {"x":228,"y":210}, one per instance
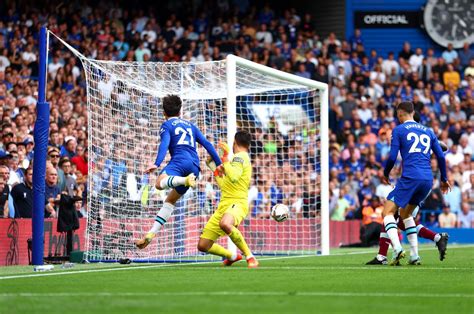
{"x":364,"y":89}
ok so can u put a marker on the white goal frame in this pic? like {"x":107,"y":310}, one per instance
{"x":231,"y":62}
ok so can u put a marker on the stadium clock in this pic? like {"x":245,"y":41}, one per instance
{"x":450,"y":21}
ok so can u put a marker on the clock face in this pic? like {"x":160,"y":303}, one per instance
{"x":450,"y":21}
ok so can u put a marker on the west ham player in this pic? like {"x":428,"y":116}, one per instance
{"x":415,"y":142}
{"x":441,"y":240}
{"x":179,"y":137}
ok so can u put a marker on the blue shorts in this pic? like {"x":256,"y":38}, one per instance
{"x":181,"y":169}
{"x":410,"y":191}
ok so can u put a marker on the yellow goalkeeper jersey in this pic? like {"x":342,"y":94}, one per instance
{"x":238,"y":173}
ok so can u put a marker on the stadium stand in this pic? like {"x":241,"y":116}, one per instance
{"x":365,"y":87}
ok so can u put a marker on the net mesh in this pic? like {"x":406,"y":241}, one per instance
{"x":125,"y":115}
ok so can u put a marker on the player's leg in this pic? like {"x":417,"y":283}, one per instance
{"x":411,"y":232}
{"x":229,"y":222}
{"x":166,"y":181}
{"x":163,"y":215}
{"x":390,"y":208}
{"x":384,"y":243}
{"x":421,"y":190}
{"x":441,"y":239}
{"x":209,"y":246}
{"x":209,"y":236}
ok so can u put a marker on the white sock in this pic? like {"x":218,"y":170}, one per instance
{"x":381,"y":257}
{"x":234,"y":256}
{"x":172,"y":182}
{"x":392,"y":230}
{"x":163,"y":215}
{"x":410,"y":230}
{"x":437,"y":237}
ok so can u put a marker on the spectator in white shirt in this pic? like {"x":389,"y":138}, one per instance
{"x":364,"y":112}
{"x":389,"y":64}
{"x":465,"y":217}
{"x":416,"y":60}
{"x":263,"y":36}
{"x":28,"y":55}
{"x":149,"y":33}
{"x":455,"y":156}
{"x":54,"y":66}
{"x":4,"y":62}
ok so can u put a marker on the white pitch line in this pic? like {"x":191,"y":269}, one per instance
{"x":364,"y":268}
{"x":132,"y":267}
{"x":239,"y":293}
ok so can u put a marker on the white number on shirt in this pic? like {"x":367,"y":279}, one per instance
{"x":184,"y":133}
{"x":423,"y":139}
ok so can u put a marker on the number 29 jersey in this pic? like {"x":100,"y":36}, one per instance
{"x":415,"y":142}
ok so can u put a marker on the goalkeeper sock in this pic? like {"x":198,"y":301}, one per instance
{"x":239,"y":241}
{"x":410,"y":229}
{"x":426,"y":233}
{"x":392,"y":231}
{"x":219,"y":250}
{"x":163,"y":215}
{"x":172,"y":182}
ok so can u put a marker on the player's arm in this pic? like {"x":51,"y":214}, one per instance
{"x":201,"y":139}
{"x":392,"y":158}
{"x":437,"y":150}
{"x":234,"y":169}
{"x":164,"y":144}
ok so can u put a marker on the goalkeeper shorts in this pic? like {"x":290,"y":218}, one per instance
{"x":238,"y":209}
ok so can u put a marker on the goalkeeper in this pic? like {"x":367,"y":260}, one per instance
{"x":179,"y":137}
{"x":233,"y":206}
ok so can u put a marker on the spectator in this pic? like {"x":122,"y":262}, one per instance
{"x":69,"y":149}
{"x":390,"y":64}
{"x":4,"y":194}
{"x":450,"y":54}
{"x":465,"y":55}
{"x":447,"y":219}
{"x":70,"y":185}
{"x":432,"y":223}
{"x":416,"y":60}
{"x":52,"y":192}
{"x":453,"y":198}
{"x":81,"y":160}
{"x":406,"y":52}
{"x":451,"y":78}
{"x":341,"y":209}
{"x":469,"y":71}
{"x":465,"y":217}
{"x":22,"y":195}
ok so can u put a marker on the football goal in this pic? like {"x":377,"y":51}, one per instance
{"x":287,"y":116}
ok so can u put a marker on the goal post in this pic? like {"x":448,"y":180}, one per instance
{"x":287,"y":116}
{"x":41,"y":134}
{"x":232,"y":62}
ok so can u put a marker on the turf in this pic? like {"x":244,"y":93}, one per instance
{"x":336,"y":283}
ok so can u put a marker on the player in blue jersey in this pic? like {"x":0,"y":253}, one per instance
{"x":415,"y":142}
{"x":179,"y":137}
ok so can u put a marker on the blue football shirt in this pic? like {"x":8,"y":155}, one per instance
{"x":179,"y":137}
{"x":415,"y":143}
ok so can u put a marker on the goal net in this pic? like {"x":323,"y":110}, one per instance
{"x":282,"y":112}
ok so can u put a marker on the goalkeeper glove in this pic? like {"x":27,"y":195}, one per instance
{"x":223,"y":151}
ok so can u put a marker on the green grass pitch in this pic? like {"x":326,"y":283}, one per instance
{"x":330,"y":284}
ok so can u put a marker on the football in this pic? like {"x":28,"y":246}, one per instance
{"x":280,"y":212}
